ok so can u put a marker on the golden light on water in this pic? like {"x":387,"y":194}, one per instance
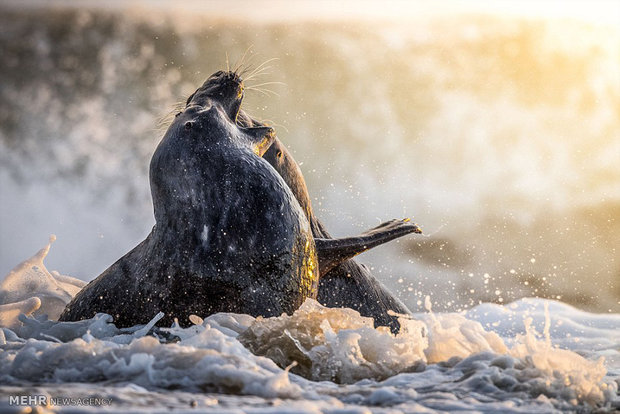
{"x":493,"y":123}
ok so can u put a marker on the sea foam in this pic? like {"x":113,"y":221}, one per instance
{"x":476,"y":360}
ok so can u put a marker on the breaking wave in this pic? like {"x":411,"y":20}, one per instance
{"x":492,"y":354}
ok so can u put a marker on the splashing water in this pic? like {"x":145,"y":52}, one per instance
{"x":445,"y":361}
{"x":500,"y":135}
{"x":29,"y":288}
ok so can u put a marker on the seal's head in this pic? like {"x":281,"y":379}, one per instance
{"x":201,"y":137}
{"x":224,"y":87}
{"x":210,"y":117}
{"x":283,"y":162}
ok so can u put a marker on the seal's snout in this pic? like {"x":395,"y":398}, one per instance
{"x":233,"y":85}
{"x":225,"y":88}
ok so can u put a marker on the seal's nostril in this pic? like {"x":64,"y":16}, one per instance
{"x":188,"y":125}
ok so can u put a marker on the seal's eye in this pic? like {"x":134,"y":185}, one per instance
{"x":279,"y":154}
{"x":188,"y":125}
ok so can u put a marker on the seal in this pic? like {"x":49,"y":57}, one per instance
{"x":343,"y":282}
{"x":229,"y":234}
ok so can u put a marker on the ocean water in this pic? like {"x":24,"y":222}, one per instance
{"x":532,"y":355}
{"x":498,"y":134}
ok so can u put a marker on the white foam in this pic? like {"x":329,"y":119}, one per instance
{"x":29,"y":280}
{"x":337,"y":344}
{"x":447,"y":361}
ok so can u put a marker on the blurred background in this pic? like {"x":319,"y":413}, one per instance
{"x":493,"y":125}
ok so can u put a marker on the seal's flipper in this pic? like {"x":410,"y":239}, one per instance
{"x":332,"y":252}
{"x":351,"y":285}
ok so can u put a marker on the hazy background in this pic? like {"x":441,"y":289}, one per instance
{"x":496,"y":127}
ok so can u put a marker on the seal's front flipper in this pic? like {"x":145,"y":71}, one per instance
{"x":332,"y":252}
{"x":260,"y":138}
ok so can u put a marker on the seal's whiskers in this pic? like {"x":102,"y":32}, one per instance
{"x":240,"y":62}
{"x":164,"y":121}
{"x":259,"y":67}
{"x":266,"y":92}
{"x":261,"y":72}
{"x":268,"y":83}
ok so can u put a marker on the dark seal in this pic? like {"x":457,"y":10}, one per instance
{"x":343,"y":282}
{"x":230,"y":236}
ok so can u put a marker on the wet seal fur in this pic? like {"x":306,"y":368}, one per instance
{"x":343,"y":282}
{"x":230,"y":236}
